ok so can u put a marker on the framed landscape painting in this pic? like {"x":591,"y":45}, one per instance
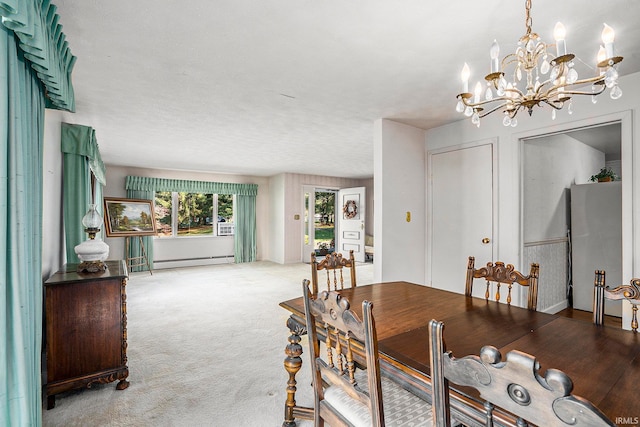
{"x":129,"y":217}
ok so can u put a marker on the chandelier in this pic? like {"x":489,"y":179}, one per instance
{"x":534,"y":76}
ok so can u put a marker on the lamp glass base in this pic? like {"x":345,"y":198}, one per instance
{"x":91,"y":267}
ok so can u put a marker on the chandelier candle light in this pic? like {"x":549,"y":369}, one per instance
{"x":537,"y":76}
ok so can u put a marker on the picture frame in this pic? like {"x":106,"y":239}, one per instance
{"x":129,"y":217}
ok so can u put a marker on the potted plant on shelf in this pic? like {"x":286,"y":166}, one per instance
{"x":605,"y":175}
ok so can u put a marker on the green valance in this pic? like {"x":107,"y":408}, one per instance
{"x":142,"y":183}
{"x":81,"y":140}
{"x":35,"y":24}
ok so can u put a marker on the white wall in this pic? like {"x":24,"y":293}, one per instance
{"x":195,"y":248}
{"x":370,"y":212}
{"x":509,"y":241}
{"x":399,"y":165}
{"x":277,"y":218}
{"x":52,"y":219}
{"x":551,"y":165}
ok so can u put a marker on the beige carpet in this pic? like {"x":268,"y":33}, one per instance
{"x":206,"y":348}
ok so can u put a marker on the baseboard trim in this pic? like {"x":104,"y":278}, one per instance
{"x":557,"y":307}
{"x":193,"y":262}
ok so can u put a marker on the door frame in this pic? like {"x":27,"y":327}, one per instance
{"x":492,"y":142}
{"x":313,"y":189}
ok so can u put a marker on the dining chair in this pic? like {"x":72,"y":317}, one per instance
{"x":512,"y":386}
{"x":333,"y":264}
{"x":348,"y":388}
{"x":500,"y":273}
{"x":601,"y":292}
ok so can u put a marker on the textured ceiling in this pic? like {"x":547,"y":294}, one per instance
{"x":262,"y":87}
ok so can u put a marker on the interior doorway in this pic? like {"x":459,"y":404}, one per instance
{"x":564,"y":218}
{"x":319,"y":221}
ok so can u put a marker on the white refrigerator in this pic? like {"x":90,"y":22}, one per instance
{"x":596,"y":236}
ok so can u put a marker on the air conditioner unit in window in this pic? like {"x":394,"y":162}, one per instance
{"x":226,"y":229}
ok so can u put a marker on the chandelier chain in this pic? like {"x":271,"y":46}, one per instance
{"x":528,"y":21}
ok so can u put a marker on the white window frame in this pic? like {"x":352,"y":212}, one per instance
{"x":216,"y":226}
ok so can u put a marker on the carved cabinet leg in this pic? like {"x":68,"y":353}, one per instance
{"x":123,"y":384}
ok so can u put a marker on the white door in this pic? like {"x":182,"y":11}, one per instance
{"x":351,"y":211}
{"x":461,"y":207}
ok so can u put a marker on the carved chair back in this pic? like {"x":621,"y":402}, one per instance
{"x":333,"y":265}
{"x":513,"y":385}
{"x":339,"y":397}
{"x":630,"y":292}
{"x":500,"y":273}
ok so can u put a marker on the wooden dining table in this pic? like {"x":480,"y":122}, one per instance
{"x":602,"y":361}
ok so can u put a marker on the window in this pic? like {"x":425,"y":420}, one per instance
{"x":194,"y":214}
{"x":163,"y":213}
{"x":180,"y":214}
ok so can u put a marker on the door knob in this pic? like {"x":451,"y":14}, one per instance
{"x":486,"y":240}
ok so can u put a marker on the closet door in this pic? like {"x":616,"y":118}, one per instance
{"x":461,"y":207}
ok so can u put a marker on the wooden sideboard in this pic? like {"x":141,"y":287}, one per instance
{"x":86,"y":329}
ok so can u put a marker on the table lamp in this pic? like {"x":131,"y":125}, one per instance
{"x":92,"y":252}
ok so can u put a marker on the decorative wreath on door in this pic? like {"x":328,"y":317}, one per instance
{"x":350,"y":209}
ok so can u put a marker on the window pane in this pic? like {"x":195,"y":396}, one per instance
{"x":194,"y":214}
{"x":163,"y":213}
{"x":225,"y":215}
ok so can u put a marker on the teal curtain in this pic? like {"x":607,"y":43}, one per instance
{"x":245,"y":241}
{"x":183,"y":185}
{"x":35,"y":72}
{"x":76,"y":196}
{"x":38,"y":32}
{"x":81,"y":140}
{"x":81,"y":159}
{"x":21,"y":135}
{"x":135,"y":249}
{"x":245,"y":214}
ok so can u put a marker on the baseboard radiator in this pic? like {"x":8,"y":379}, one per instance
{"x":192,"y":262}
{"x":552,"y":256}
